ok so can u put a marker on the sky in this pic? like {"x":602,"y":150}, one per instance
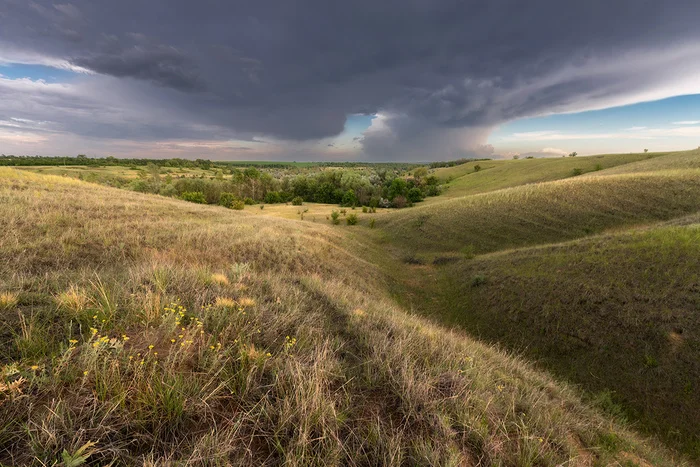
{"x":416,"y":80}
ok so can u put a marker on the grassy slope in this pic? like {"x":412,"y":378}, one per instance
{"x":169,"y":332}
{"x":674,"y":161}
{"x":616,"y":313}
{"x":542,"y":213}
{"x":499,"y":174}
{"x":605,"y":313}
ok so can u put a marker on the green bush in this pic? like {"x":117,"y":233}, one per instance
{"x":194,"y":197}
{"x":371,"y":223}
{"x":168,"y":190}
{"x":415,"y":195}
{"x":433,"y":190}
{"x":227,"y":199}
{"x":364,"y":209}
{"x":349,"y":198}
{"x":477,"y":167}
{"x":351,"y":219}
{"x":238,"y":205}
{"x":576,"y":172}
{"x":249,"y":201}
{"x":297,"y":201}
{"x":273,"y":197}
{"x":334,"y":216}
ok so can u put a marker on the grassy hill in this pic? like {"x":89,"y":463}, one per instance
{"x":541,"y":213}
{"x":595,"y":278}
{"x":136,"y":329}
{"x":615,"y":313}
{"x":673,"y":161}
{"x":498,"y":174}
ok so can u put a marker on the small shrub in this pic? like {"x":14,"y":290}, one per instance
{"x":399,"y":202}
{"x":194,"y":197}
{"x":343,"y":211}
{"x":297,"y":201}
{"x":414,"y":195}
{"x":371,"y":223}
{"x":168,"y":190}
{"x":335,"y":215}
{"x":364,"y":209}
{"x":598,"y":167}
{"x":249,"y":201}
{"x":478,"y":280}
{"x":238,"y":205}
{"x":433,"y":190}
{"x":262,"y":206}
{"x":227,"y":199}
{"x":576,"y":172}
{"x":477,"y":168}
{"x":351,"y":219}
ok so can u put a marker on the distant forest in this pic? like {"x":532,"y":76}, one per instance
{"x":206,"y":164}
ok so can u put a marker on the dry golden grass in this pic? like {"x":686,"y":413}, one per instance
{"x":298,"y":358}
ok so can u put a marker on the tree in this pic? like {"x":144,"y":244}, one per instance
{"x":420,"y":172}
{"x":573,"y":154}
{"x":646,"y":150}
{"x":415,"y":195}
{"x":397,"y":188}
{"x":349,"y":198}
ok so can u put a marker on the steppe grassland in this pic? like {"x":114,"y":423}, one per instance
{"x":163,"y":332}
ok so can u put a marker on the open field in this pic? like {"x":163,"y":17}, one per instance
{"x":164,"y":331}
{"x":110,"y":171}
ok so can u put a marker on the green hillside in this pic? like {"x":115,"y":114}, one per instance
{"x":673,"y":161}
{"x":142,"y":330}
{"x":541,"y":213}
{"x":595,"y":278}
{"x":617,"y":314}
{"x":499,"y":174}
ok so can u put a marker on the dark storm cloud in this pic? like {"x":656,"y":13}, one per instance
{"x":164,"y":66}
{"x":295,"y":69}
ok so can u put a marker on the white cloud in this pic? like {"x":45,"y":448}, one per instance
{"x":649,"y":133}
{"x":557,"y":151}
{"x":687,"y":122}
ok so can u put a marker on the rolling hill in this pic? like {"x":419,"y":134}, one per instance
{"x":592,"y":277}
{"x":137,"y":329}
{"x":493,"y":175}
